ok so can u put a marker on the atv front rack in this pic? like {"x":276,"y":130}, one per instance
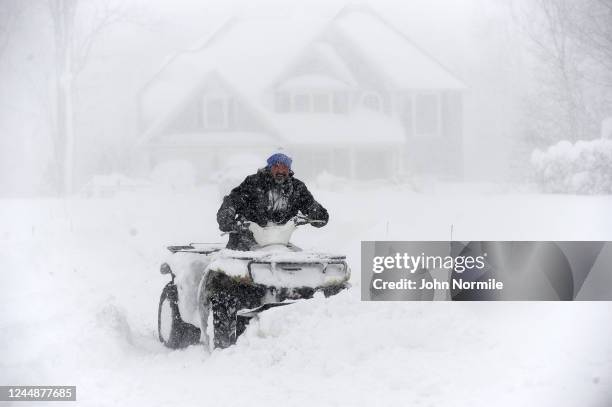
{"x":207,"y":248}
{"x":296,"y":266}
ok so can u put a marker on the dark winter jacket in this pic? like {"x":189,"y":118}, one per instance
{"x":260,"y":199}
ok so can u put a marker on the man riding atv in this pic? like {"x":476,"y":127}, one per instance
{"x":270,"y":195}
{"x":261,"y":269}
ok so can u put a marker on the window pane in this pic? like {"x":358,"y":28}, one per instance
{"x":301,"y":103}
{"x":282,"y":102}
{"x":215,"y":113}
{"x":341,"y":103}
{"x":320,"y":103}
{"x":426,"y":115}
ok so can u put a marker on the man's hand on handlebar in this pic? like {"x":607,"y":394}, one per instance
{"x":242,"y":225}
{"x":300,"y":220}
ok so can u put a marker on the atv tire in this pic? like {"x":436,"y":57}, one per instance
{"x":173,"y":332}
{"x":227,"y":326}
{"x":226,"y":296}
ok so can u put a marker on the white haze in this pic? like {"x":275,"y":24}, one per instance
{"x":80,"y":271}
{"x":476,"y":40}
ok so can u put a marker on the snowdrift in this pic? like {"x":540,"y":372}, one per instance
{"x":82,"y":284}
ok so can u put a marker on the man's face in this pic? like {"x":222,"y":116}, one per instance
{"x":280,"y":172}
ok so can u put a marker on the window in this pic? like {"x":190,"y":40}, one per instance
{"x":341,"y":103}
{"x":308,"y":102}
{"x":216,"y":112}
{"x":372,"y":101}
{"x":321,"y":103}
{"x":426,"y":115}
{"x":301,"y":103}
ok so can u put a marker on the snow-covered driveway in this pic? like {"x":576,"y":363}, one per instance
{"x":81,"y":284}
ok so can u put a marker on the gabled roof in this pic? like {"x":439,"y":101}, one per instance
{"x":173,"y":95}
{"x":250,"y":54}
{"x":246,"y":53}
{"x":402,"y":62}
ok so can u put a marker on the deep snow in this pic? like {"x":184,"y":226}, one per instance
{"x":81,"y":286}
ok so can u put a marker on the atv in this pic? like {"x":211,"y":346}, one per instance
{"x":233,"y":287}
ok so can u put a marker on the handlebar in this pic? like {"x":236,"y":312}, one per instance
{"x":298,"y":220}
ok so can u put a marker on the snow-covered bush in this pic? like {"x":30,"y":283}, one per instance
{"x":584,"y":167}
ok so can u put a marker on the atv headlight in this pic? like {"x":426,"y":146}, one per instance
{"x":336,"y":269}
{"x":301,"y":268}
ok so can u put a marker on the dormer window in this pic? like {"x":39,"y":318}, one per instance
{"x":312,"y":93}
{"x":215,"y":113}
{"x":311,"y":102}
{"x":372,"y":101}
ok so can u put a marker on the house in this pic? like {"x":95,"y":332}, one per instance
{"x":352,"y":96}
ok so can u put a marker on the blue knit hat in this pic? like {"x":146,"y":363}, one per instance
{"x":279,"y":158}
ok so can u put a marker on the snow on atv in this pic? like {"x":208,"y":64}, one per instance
{"x":237,"y":285}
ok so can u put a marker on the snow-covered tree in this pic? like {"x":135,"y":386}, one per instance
{"x":572,"y":45}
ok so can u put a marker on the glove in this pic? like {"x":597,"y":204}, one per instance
{"x":300,"y":220}
{"x":242,"y":225}
{"x":226,"y":217}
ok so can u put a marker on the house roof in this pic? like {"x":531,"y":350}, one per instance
{"x":405,"y":64}
{"x":250,"y":54}
{"x":246,"y":53}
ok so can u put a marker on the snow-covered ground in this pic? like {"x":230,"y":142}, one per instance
{"x":81,"y":287}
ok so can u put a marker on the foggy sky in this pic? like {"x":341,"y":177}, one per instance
{"x":474,"y":39}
